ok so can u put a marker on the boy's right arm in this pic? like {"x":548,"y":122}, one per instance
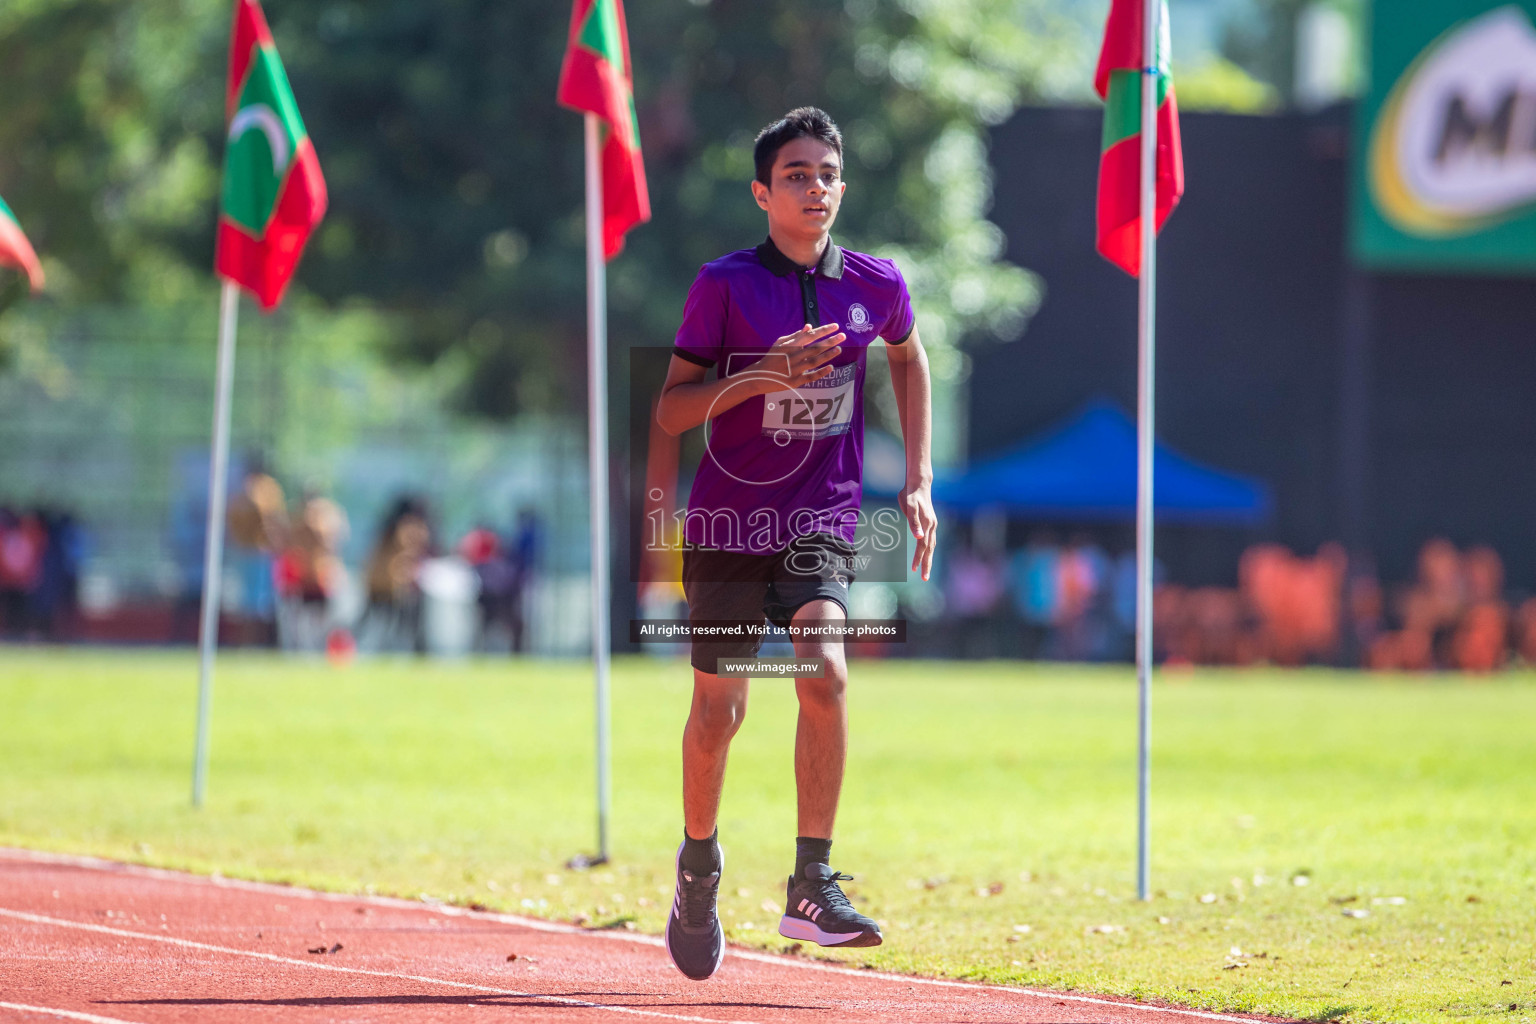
{"x":687,"y":399}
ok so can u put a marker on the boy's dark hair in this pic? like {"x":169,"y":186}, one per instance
{"x":802,"y":122}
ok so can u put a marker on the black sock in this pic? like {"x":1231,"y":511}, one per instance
{"x":701,"y":856}
{"x":811,"y":851}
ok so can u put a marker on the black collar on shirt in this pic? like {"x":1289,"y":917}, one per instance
{"x":831,"y":264}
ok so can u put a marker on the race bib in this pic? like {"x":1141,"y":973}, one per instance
{"x":823,"y":408}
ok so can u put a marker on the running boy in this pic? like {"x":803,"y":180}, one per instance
{"x":786,"y":328}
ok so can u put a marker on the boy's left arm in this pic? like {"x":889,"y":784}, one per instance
{"x":914,"y":406}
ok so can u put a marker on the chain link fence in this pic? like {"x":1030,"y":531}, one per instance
{"x":106,"y":415}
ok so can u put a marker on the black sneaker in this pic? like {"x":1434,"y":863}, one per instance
{"x":819,"y":912}
{"x":695,"y":940}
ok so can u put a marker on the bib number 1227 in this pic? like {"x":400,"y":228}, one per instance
{"x":797,"y":411}
{"x":822,"y":409}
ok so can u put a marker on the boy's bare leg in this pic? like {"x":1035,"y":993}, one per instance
{"x":821,"y":738}
{"x":718,"y":708}
{"x":694,"y":938}
{"x":816,"y":909}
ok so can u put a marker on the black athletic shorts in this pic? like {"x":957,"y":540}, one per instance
{"x":728,"y":586}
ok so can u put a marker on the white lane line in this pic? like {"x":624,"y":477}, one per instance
{"x":555,"y":927}
{"x":66,"y":1014}
{"x":1042,"y":993}
{"x":316,"y":965}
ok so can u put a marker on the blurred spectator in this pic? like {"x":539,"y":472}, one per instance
{"x":1319,"y":583}
{"x":23,"y":543}
{"x":310,"y":572}
{"x":1441,"y":581}
{"x":1365,"y":610}
{"x":1032,"y":579}
{"x":188,"y":543}
{"x":973,"y":595}
{"x":1480,"y":640}
{"x":1454,"y":615}
{"x":506,"y":569}
{"x":1296,"y":602}
{"x":492,"y":563}
{"x":258,"y":534}
{"x":1202,"y":626}
{"x":1169,"y":641}
{"x":1330,"y":608}
{"x":393,"y":610}
{"x":526,"y":547}
{"x":1122,"y":604}
{"x":55,"y":597}
{"x":1082,"y":574}
{"x":975,"y":585}
{"x":1525,"y":631}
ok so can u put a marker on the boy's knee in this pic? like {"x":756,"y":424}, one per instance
{"x":833,"y":683}
{"x":717,"y":714}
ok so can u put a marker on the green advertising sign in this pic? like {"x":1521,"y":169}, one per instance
{"x":1445,"y":142}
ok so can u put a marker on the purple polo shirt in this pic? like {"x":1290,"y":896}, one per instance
{"x":789,"y":463}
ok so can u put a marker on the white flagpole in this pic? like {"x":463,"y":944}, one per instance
{"x":1146,"y":432}
{"x":213,"y":553}
{"x":597,"y":447}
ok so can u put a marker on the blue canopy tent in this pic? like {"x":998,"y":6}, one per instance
{"x":1084,"y":469}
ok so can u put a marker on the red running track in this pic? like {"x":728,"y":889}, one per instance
{"x":91,"y":940}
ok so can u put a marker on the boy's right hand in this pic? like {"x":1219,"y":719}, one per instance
{"x":798,"y":359}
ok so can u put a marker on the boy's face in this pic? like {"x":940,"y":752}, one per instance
{"x":806,"y":189}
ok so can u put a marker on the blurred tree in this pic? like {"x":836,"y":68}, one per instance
{"x":1219,"y":84}
{"x":106,"y":141}
{"x":1264,"y":43}
{"x":456,"y":182}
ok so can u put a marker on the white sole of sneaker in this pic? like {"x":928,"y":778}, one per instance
{"x":667,"y":933}
{"x":806,"y":931}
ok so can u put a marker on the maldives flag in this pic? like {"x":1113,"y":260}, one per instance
{"x":16,"y":251}
{"x":1118,"y":82}
{"x":273,"y":192}
{"x":596,"y":79}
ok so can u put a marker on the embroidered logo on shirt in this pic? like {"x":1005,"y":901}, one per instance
{"x":858,"y":318}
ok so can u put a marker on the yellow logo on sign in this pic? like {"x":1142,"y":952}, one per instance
{"x":1453,"y":150}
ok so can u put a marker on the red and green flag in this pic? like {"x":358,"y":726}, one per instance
{"x":1118,"y":82}
{"x":16,"y":251}
{"x":596,"y":79}
{"x":273,"y":192}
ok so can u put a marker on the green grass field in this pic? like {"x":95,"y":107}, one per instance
{"x":989,"y":812}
